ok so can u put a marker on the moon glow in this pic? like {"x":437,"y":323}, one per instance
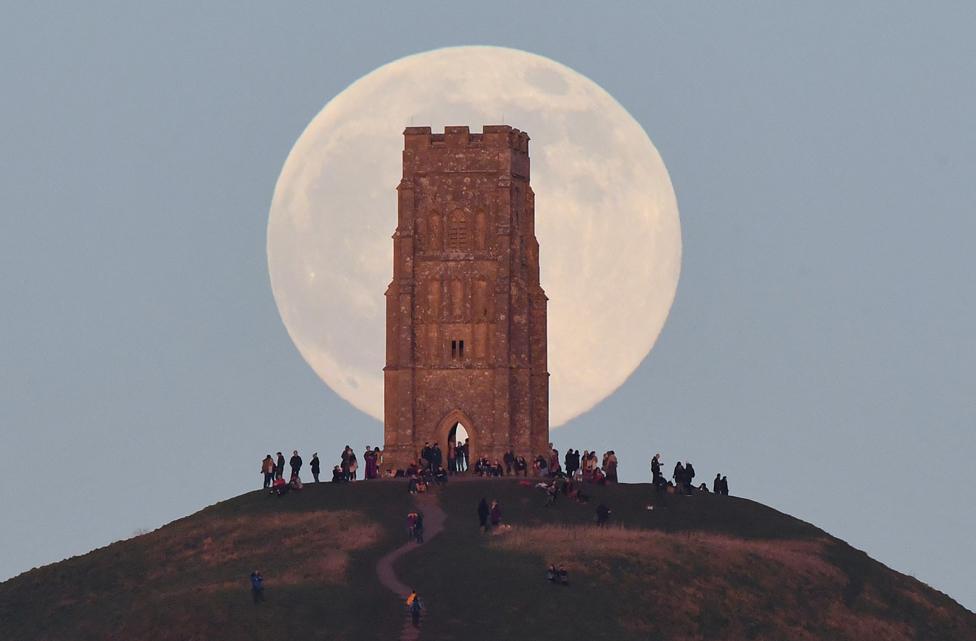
{"x":606,"y":218}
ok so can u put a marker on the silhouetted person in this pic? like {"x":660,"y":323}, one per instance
{"x":268,"y":469}
{"x":717,"y":484}
{"x":418,"y":527}
{"x":257,"y":586}
{"x":509,"y":459}
{"x":413,"y":602}
{"x":689,"y":476}
{"x":483,"y":511}
{"x":602,"y":514}
{"x":656,"y":470}
{"x":679,"y":474}
{"x":280,"y":466}
{"x":295,"y":462}
{"x":725,"y":486}
{"x":314,"y":465}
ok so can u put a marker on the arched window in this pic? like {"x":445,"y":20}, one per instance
{"x":457,"y":231}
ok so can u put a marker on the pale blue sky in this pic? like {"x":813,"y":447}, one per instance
{"x":821,"y":349}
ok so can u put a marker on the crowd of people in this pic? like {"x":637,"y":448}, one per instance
{"x":563,"y":476}
{"x":683,"y":479}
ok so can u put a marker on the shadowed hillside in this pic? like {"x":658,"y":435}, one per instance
{"x":701,"y":567}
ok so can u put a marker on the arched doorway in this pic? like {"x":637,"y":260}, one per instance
{"x":455,"y":428}
{"x":459,"y":438}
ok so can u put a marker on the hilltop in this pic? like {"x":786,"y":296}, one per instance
{"x":699,"y":567}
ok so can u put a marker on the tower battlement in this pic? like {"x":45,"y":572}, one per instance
{"x":461,"y":136}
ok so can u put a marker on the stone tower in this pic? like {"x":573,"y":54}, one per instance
{"x":465,"y":313}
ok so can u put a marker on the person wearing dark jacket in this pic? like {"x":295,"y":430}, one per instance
{"x":689,"y":476}
{"x":295,"y":463}
{"x":509,"y":460}
{"x":725,"y":486}
{"x":483,"y":511}
{"x":280,"y":466}
{"x":314,"y":464}
{"x":257,"y":586}
{"x":679,"y":474}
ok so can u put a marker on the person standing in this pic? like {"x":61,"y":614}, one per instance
{"x":315,"y":465}
{"x":414,"y":605}
{"x":717,"y":484}
{"x":295,"y":463}
{"x":418,"y":527}
{"x":679,"y":474}
{"x":725,"y":486}
{"x":483,"y":512}
{"x":257,"y":585}
{"x":451,"y":457}
{"x":345,"y":462}
{"x":268,"y":469}
{"x":602,"y":514}
{"x":280,"y":466}
{"x":656,"y":470}
{"x":611,"y":467}
{"x":689,"y":476}
{"x":370,"y":459}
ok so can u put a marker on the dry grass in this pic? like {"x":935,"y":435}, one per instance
{"x":298,"y":547}
{"x":779,"y":580}
{"x":584,"y":548}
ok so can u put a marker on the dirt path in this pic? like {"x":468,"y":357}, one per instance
{"x":434,"y":518}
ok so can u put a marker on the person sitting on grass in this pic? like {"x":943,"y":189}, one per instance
{"x":599,"y":477}
{"x":557,"y":575}
{"x":552,"y":492}
{"x":496,"y":513}
{"x":337,"y":475}
{"x":280,"y":487}
{"x":295,"y":483}
{"x":552,"y":574}
{"x":440,"y":476}
{"x":521,"y":466}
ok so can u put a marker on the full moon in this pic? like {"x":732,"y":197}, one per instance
{"x":606,"y":218}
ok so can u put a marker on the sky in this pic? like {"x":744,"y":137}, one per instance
{"x":820,"y":351}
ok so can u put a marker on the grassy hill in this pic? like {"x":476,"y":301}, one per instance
{"x":701,"y":567}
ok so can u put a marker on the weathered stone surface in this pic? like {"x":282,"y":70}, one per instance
{"x":465,"y":313}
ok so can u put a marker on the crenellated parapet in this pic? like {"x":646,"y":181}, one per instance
{"x":494,"y":136}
